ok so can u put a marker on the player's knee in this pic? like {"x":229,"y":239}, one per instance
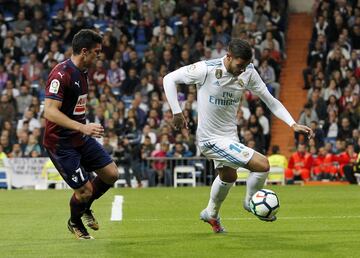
{"x":114,"y":177}
{"x":265,"y":166}
{"x":227,"y":175}
{"x":85,"y":194}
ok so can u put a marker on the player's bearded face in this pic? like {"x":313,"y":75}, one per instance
{"x":92,"y":55}
{"x":237,"y":65}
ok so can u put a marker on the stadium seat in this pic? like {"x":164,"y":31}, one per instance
{"x":5,"y":178}
{"x":184,"y":171}
{"x":121,"y":181}
{"x":276,"y":175}
{"x":8,"y":16}
{"x":242,"y":175}
{"x":357,"y":176}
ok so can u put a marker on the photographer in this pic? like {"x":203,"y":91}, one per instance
{"x":128,"y":153}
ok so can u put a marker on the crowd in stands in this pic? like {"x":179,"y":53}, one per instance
{"x":332,"y":80}
{"x":143,"y":41}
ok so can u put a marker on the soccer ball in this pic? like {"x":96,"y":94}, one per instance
{"x":264,"y":203}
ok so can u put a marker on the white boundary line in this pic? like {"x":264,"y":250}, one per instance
{"x":279,"y":218}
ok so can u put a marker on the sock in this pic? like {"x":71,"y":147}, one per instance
{"x":218,"y":193}
{"x":254,"y":182}
{"x":77,"y":209}
{"x":99,"y":188}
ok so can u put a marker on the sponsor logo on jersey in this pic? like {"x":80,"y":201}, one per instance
{"x":218,"y":73}
{"x":77,"y":83}
{"x":54,"y":86}
{"x":80,"y":107}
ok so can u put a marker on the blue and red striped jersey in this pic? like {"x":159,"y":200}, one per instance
{"x":69,"y":85}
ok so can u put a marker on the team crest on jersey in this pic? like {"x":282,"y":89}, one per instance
{"x":218,"y":73}
{"x":241,"y":83}
{"x":80,"y":107}
{"x":54,"y":86}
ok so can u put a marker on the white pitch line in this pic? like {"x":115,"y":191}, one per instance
{"x":279,"y":218}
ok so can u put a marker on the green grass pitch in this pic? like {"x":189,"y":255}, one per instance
{"x":313,"y":221}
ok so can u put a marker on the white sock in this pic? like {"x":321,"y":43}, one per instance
{"x":254,"y":183}
{"x":218,"y":193}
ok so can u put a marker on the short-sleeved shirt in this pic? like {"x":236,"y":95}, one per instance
{"x":69,"y":85}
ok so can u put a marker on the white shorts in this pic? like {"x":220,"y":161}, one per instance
{"x":226,"y":152}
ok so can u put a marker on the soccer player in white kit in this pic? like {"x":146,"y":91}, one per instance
{"x":220,"y":85}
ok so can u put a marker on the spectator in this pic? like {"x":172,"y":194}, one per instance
{"x":32,"y":70}
{"x":28,"y":41}
{"x":351,"y":170}
{"x":308,"y":115}
{"x":7,"y":110}
{"x":10,"y":48}
{"x":30,"y":120}
{"x":346,"y":158}
{"x":115,"y":77}
{"x":16,"y":151}
{"x":33,"y":145}
{"x":162,"y":29}
{"x":276,"y":159}
{"x":20,"y":23}
{"x":324,"y":166}
{"x":299,"y":165}
{"x":345,"y":129}
{"x":23,"y":100}
{"x":330,"y":127}
{"x":246,"y":10}
{"x":3,"y":77}
{"x":160,"y":166}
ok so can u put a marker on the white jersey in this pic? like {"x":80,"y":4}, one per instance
{"x":218,"y":96}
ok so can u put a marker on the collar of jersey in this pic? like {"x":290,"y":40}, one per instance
{"x":77,"y":68}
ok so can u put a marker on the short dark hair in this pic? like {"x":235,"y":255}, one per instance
{"x":85,"y":38}
{"x":240,"y":48}
{"x":275,"y":149}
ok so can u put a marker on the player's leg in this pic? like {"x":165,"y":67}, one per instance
{"x":219,"y":190}
{"x":95,"y":158}
{"x":67,"y":162}
{"x":78,"y":206}
{"x":259,"y":167}
{"x":305,"y":174}
{"x":227,"y":155}
{"x":289,"y":175}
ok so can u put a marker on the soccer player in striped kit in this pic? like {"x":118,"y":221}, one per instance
{"x":69,"y":140}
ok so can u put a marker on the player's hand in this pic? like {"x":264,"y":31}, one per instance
{"x":92,"y":129}
{"x":179,"y":121}
{"x":303,"y":129}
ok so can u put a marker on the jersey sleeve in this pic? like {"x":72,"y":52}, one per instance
{"x":258,"y":87}
{"x":190,"y":74}
{"x":56,"y":84}
{"x":194,"y":73}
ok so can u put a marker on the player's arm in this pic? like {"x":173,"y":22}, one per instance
{"x":191,"y":74}
{"x":52,"y":113}
{"x":257,"y":86}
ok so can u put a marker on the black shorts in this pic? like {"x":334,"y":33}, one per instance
{"x":75,"y":164}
